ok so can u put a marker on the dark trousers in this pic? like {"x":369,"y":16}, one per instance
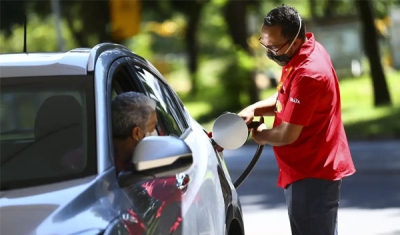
{"x":313,"y":206}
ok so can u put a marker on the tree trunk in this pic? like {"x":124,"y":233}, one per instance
{"x":79,"y":36}
{"x":313,"y":8}
{"x":371,"y":47}
{"x":104,"y":35}
{"x":192,"y":45}
{"x":236,"y":18}
{"x":330,"y":8}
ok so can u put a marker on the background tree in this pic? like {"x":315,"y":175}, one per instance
{"x":88,"y":27}
{"x":87,"y":20}
{"x":235,"y":13}
{"x":192,"y":11}
{"x":89,"y":23}
{"x":11,"y":13}
{"x":371,"y":47}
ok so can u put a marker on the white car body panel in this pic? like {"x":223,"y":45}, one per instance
{"x":204,"y":182}
{"x":44,"y":64}
{"x":32,"y":210}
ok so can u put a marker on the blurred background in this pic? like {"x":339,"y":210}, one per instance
{"x":209,"y":51}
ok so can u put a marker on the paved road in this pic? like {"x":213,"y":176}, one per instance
{"x":370,"y":201}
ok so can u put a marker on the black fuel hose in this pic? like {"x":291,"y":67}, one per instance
{"x":250,"y":167}
{"x":253,"y":161}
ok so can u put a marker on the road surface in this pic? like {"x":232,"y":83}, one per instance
{"x":370,"y":199}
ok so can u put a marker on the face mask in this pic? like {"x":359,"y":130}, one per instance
{"x":283,"y":59}
{"x":153,"y":133}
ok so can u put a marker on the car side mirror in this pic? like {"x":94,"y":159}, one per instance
{"x":157,"y":157}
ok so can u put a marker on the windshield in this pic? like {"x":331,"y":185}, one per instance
{"x":47,"y":130}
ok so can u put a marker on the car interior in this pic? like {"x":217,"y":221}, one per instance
{"x":58,"y":133}
{"x":43,"y":134}
{"x":44,"y":128}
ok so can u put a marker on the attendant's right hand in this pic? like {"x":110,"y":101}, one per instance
{"x":247,"y":114}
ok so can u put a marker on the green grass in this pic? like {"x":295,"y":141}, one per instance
{"x":357,"y":98}
{"x":362,"y":120}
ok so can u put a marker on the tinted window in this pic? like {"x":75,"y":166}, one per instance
{"x":169,"y":115}
{"x":47,"y":130}
{"x":176,"y":105}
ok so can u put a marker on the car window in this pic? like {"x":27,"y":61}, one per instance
{"x":113,"y":94}
{"x":47,"y":130}
{"x":169,"y":115}
{"x":177,"y":104}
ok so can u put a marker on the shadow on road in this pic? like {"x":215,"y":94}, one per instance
{"x":367,"y":189}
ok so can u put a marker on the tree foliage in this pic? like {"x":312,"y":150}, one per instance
{"x":88,"y":22}
{"x":12,"y":13}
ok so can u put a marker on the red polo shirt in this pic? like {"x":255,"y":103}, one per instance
{"x":310,"y":97}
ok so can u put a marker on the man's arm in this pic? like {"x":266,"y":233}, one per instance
{"x":308,"y":92}
{"x":265,"y":107}
{"x":261,"y":108}
{"x":283,"y":134}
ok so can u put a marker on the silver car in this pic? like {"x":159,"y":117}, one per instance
{"x":57,"y":167}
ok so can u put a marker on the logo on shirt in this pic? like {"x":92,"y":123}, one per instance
{"x":278,"y":106}
{"x":294,"y":100}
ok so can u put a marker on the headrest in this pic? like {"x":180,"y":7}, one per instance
{"x":56,"y":113}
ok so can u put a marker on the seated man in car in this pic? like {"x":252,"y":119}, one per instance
{"x":133,"y":118}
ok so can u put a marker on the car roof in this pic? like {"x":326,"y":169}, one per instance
{"x":78,"y":61}
{"x":44,"y":64}
{"x":74,"y":62}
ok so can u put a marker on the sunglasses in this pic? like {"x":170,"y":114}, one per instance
{"x":271,"y":48}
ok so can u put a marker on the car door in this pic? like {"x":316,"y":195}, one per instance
{"x":155,"y":203}
{"x":203,"y":204}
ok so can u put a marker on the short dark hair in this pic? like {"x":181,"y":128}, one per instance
{"x":288,"y":19}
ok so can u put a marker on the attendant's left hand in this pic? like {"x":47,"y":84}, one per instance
{"x":257,"y":133}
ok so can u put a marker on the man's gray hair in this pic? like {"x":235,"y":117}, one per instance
{"x":129,"y":110}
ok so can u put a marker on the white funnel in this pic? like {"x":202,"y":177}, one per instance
{"x":230,"y":131}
